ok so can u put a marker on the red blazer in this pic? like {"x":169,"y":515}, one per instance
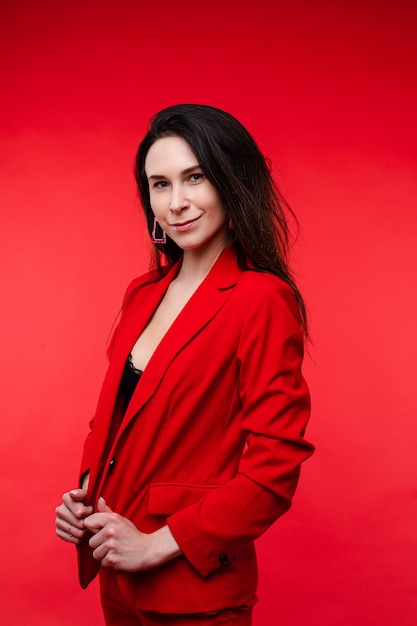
{"x":212,"y":440}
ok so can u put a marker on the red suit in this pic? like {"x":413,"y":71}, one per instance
{"x":212,"y":440}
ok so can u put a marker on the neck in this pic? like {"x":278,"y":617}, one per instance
{"x":196,"y":264}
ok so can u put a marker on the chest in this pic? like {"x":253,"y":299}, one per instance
{"x":165,"y":314}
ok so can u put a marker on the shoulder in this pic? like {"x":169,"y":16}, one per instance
{"x":266,"y":280}
{"x":265,"y":285}
{"x":148,"y":278}
{"x":263,"y":295}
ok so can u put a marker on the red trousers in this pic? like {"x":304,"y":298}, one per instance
{"x":117,"y":613}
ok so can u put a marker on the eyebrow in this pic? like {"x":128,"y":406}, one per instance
{"x":186,"y":171}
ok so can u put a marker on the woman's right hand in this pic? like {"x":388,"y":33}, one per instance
{"x":70,"y":516}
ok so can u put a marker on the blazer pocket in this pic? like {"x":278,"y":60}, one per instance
{"x":166,"y":499}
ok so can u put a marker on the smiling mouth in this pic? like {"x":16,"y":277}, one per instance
{"x":184,"y":225}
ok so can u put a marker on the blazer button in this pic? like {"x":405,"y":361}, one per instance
{"x":112,"y":464}
{"x":223,"y":558}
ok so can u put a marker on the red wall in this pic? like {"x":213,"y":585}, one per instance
{"x":329,"y":91}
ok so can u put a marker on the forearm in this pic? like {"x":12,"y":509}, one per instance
{"x":214,"y":530}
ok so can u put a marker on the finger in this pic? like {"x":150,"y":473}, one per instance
{"x":98,"y":539}
{"x":70,"y":529}
{"x":78,"y":495}
{"x":77,"y":508}
{"x":102,"y":507}
{"x":66,"y":536}
{"x":68,"y":517}
{"x":99,"y":552}
{"x":70,"y":533}
{"x":96,"y":521}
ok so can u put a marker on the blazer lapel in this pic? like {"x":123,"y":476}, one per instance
{"x":204,"y":304}
{"x":134,"y":319}
{"x":137,"y":317}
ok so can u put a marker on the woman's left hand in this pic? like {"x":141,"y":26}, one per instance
{"x":119,"y":544}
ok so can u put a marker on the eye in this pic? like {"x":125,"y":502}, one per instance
{"x":160,"y":184}
{"x":196,"y":177}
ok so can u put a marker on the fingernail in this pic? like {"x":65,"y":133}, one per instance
{"x":74,"y":492}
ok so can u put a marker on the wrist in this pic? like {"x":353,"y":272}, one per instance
{"x":164,"y":546}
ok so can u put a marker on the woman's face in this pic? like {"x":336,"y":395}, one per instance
{"x":184,"y":202}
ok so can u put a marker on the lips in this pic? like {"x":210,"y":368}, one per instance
{"x":181,"y":226}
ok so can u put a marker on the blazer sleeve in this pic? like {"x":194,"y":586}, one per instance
{"x":275,"y":411}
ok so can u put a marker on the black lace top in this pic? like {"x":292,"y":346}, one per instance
{"x":130,"y":379}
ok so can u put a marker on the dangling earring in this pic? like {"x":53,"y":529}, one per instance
{"x":231,"y":225}
{"x":158,"y":237}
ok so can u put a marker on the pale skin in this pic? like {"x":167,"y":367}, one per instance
{"x":188,"y":208}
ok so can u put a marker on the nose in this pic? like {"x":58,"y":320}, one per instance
{"x":178,"y":200}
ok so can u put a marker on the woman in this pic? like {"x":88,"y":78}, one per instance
{"x":197,"y":440}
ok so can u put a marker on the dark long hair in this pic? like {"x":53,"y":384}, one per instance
{"x":235,"y":166}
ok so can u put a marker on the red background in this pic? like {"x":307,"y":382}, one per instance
{"x":329,"y":91}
